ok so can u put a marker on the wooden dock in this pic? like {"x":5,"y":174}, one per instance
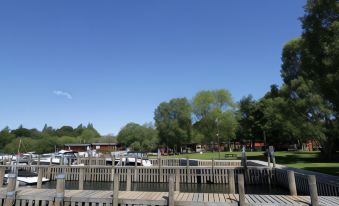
{"x":45,"y":197}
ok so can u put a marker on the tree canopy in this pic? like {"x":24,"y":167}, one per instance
{"x":138,"y":137}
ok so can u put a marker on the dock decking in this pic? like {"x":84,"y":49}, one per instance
{"x":45,"y":197}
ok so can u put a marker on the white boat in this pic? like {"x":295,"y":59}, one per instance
{"x":26,"y":177}
{"x":56,"y":158}
{"x":28,"y":180}
{"x":129,"y":160}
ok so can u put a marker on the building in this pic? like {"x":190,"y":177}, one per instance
{"x":101,"y":147}
{"x":105,"y":147}
{"x":77,"y":147}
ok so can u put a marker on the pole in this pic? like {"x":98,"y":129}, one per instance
{"x":60,"y":190}
{"x":128,"y":180}
{"x":171,"y":191}
{"x":115,"y":190}
{"x":10,"y":196}
{"x":38,"y":186}
{"x":291,"y":183}
{"x":241,"y":188}
{"x":2,"y":174}
{"x":312,"y":183}
{"x":231,"y":181}
{"x":81,"y":178}
{"x":177,"y":179}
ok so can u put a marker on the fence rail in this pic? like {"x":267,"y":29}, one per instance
{"x":187,"y":174}
{"x":324,"y":186}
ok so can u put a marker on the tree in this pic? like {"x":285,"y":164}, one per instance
{"x":214,"y":114}
{"x":320,"y":48}
{"x":65,"y":131}
{"x":250,"y":120}
{"x":320,"y":63}
{"x":173,"y":122}
{"x":6,"y":137}
{"x":138,"y":137}
{"x":89,"y":135}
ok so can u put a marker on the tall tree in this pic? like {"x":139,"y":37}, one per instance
{"x":138,"y":137}
{"x":249,"y":120}
{"x":320,"y":48}
{"x":173,"y":122}
{"x":214,"y":115}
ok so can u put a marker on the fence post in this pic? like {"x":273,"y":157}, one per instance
{"x":244,"y":163}
{"x":81,"y":178}
{"x":291,"y":183}
{"x":113,"y":160}
{"x":116,"y":190}
{"x":188,"y":172}
{"x":38,"y":160}
{"x":128,"y":180}
{"x":38,"y":186}
{"x":241,"y":188}
{"x":177,"y":179}
{"x":60,"y":190}
{"x":231,"y":181}
{"x":212,"y":173}
{"x":268,"y":160}
{"x":171,"y":191}
{"x":10,"y":196}
{"x":2,"y":174}
{"x":271,"y":153}
{"x":312,"y":183}
{"x":243,"y":157}
{"x":78,"y":160}
{"x":113,"y":168}
{"x":269,"y":176}
{"x":160,"y":170}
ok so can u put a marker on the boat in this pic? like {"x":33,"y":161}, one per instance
{"x":56,"y":158}
{"x":128,"y":159}
{"x":25,"y":177}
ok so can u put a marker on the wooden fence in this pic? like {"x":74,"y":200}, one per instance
{"x":154,"y":174}
{"x":324,"y":186}
{"x":166,"y":162}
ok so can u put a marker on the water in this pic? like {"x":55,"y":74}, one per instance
{"x":163,"y":187}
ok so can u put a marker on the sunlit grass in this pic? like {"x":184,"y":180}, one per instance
{"x":303,"y":160}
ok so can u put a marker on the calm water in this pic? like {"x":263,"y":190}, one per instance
{"x":163,"y":187}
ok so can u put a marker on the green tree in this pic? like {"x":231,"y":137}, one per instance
{"x":250,"y":120}
{"x":214,"y":113}
{"x":173,"y":122}
{"x":320,"y":48}
{"x":6,"y":137}
{"x":65,"y":131}
{"x":138,"y":137}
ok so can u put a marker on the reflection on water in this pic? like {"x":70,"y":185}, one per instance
{"x":163,"y":187}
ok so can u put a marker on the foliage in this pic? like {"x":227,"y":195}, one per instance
{"x":46,"y":140}
{"x":214,"y":115}
{"x":173,"y":122}
{"x":138,"y":137}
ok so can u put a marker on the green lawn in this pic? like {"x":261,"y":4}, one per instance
{"x":303,"y":160}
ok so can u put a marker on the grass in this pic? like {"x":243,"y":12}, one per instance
{"x":304,"y":160}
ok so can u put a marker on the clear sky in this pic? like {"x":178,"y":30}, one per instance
{"x":112,"y":62}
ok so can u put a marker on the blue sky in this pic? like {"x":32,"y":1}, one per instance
{"x":112,"y":62}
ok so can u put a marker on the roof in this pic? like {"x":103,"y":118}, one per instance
{"x":104,"y":144}
{"x":77,"y":145}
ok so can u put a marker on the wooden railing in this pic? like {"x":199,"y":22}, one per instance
{"x":324,"y":186}
{"x":187,"y":174}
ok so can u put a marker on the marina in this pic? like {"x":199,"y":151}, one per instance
{"x":45,"y":197}
{"x":221,"y":182}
